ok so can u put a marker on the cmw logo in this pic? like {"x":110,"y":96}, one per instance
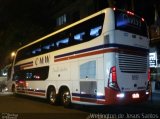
{"x":42,"y":60}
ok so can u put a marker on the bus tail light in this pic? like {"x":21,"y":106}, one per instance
{"x":112,"y":83}
{"x":130,"y":13}
{"x":114,"y":75}
{"x":120,"y":95}
{"x":142,"y":19}
{"x":114,"y":8}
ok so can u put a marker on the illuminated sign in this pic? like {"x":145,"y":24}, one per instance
{"x":125,"y":19}
{"x":152,"y":59}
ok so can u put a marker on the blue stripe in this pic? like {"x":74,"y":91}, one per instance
{"x":127,"y":47}
{"x":104,"y":46}
{"x":81,"y":51}
{"x":88,"y":96}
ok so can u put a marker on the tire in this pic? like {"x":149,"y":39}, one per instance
{"x":51,"y":96}
{"x":66,"y":98}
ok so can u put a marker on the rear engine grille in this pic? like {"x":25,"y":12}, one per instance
{"x":132,"y":63}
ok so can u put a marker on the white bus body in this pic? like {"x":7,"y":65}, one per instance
{"x":110,"y":67}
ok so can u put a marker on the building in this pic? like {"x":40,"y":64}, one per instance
{"x":154,"y":54}
{"x":67,"y":12}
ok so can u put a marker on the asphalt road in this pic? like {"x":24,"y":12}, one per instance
{"x":22,"y":107}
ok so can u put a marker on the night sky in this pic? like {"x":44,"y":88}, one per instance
{"x":22,"y":21}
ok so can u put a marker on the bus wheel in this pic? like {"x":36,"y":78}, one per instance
{"x":51,"y":96}
{"x":66,"y":98}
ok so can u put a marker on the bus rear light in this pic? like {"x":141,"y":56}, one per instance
{"x":135,"y":95}
{"x":120,"y":95}
{"x":114,"y":8}
{"x":130,"y":13}
{"x":147,"y":93}
{"x":112,"y":83}
{"x":142,"y":19}
{"x":114,"y":75}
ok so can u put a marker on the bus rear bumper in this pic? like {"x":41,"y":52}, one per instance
{"x":115,"y":97}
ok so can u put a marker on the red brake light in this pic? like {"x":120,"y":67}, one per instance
{"x":112,"y":83}
{"x":114,"y":75}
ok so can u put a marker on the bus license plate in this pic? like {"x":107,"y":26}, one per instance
{"x":135,"y":95}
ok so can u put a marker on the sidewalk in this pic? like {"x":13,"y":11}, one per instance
{"x":155,"y":96}
{"x":154,"y":100}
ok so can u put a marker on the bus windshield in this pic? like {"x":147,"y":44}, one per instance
{"x":128,"y":21}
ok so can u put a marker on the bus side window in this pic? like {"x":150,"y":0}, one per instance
{"x":62,"y":43}
{"x":29,"y":75}
{"x":96,"y":31}
{"x":46,"y":47}
{"x":36,"y":51}
{"x":53,"y":46}
{"x":79,"y":37}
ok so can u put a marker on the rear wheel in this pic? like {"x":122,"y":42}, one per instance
{"x":66,"y":98}
{"x":51,"y":96}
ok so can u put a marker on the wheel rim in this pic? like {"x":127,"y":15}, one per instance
{"x":52,"y":96}
{"x":66,"y":98}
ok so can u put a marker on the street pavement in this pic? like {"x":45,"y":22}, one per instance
{"x":154,"y":99}
{"x":23,"y":106}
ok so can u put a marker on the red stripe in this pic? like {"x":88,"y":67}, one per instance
{"x":29,"y":92}
{"x":96,"y":101}
{"x":20,"y":91}
{"x":87,"y":54}
{"x":35,"y":93}
{"x":26,"y":65}
{"x":76,"y":98}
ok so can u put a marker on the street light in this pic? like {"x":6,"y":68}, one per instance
{"x":11,"y":58}
{"x":13,"y":54}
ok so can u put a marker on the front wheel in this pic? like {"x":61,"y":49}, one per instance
{"x":66,"y":98}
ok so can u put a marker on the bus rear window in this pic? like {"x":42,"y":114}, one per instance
{"x":128,"y":21}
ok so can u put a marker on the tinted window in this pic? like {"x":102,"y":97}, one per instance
{"x":130,"y":23}
{"x":40,"y":73}
{"x":77,"y":34}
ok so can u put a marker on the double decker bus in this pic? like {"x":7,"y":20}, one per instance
{"x":99,"y":60}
